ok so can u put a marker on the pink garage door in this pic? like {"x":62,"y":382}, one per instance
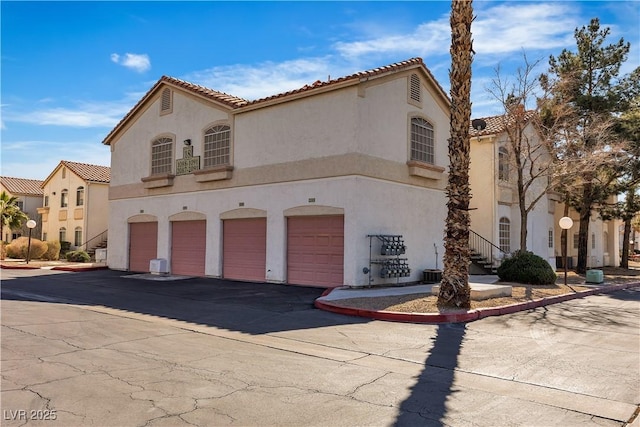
{"x":244,"y":249}
{"x":143,"y":245}
{"x":315,"y":250}
{"x":188,"y":247}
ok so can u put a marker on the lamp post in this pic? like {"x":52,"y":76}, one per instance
{"x":31,"y":225}
{"x":565,"y":223}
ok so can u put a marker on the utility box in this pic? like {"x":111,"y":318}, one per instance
{"x":595,"y":276}
{"x":158,"y":266}
{"x":101,"y":255}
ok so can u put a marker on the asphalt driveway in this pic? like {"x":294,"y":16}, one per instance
{"x":99,"y":349}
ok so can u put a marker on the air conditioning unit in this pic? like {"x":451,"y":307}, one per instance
{"x":158,"y":266}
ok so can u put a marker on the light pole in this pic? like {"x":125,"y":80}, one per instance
{"x":565,"y":223}
{"x":31,"y":225}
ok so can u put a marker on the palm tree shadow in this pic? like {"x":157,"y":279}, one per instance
{"x":427,"y":404}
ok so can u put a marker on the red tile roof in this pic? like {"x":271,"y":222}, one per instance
{"x":234,"y":102}
{"x":23,"y":186}
{"x":498,"y":124}
{"x":93,"y":173}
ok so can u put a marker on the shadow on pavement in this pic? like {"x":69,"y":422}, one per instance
{"x":254,"y":308}
{"x":427,"y":404}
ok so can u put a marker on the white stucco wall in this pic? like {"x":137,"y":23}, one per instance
{"x":370,"y":207}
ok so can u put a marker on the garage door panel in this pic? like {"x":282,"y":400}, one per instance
{"x":315,"y":250}
{"x":245,"y":248}
{"x":143,"y":245}
{"x":188,"y":247}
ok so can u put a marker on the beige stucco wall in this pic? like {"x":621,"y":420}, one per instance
{"x":30,"y":207}
{"x":92,"y":217}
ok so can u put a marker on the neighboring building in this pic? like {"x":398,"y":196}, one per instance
{"x":75,"y":204}
{"x":495,"y":214}
{"x":286,"y":188}
{"x":29,"y":194}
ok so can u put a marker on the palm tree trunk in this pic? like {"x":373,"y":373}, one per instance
{"x":454,"y":288}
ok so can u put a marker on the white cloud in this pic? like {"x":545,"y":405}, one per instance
{"x":83,"y":115}
{"x":137,"y":62}
{"x":265,"y":79}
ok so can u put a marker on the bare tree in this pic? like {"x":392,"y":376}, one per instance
{"x":529,"y":153}
{"x":454,"y":288}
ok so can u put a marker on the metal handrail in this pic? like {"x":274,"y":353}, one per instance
{"x":484,"y":247}
{"x":100,"y":236}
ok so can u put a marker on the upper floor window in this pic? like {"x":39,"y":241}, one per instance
{"x":422,"y":141}
{"x":217,"y":146}
{"x":20,"y":205}
{"x":415,"y":94}
{"x":64,"y":198}
{"x":551,"y":238}
{"x":504,"y":234}
{"x":161,"y":155}
{"x":46,"y":201}
{"x":166,"y":101}
{"x":80,"y":196}
{"x":503,"y":164}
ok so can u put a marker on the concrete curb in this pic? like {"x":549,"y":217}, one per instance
{"x":467,"y":316}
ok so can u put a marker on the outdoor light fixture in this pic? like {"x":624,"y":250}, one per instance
{"x":565,"y":223}
{"x":479,"y":125}
{"x":31,"y":224}
{"x":187,"y":142}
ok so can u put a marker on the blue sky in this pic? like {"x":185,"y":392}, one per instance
{"x":72,"y":70}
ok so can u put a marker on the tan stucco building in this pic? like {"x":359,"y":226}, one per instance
{"x":29,"y":197}
{"x":75,"y":204}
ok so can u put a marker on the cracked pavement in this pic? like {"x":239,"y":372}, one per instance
{"x":99,"y":349}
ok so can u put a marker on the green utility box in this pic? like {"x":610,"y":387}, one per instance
{"x":595,"y":276}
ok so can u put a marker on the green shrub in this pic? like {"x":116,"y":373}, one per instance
{"x":526,"y":267}
{"x":65,"y":247}
{"x":18,"y":248}
{"x":53,"y":251}
{"x":78,"y":256}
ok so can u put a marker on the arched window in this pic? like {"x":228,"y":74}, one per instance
{"x":217,"y":146}
{"x":64,"y":198}
{"x":80,"y":196}
{"x":161,"y":155}
{"x":77,"y":236}
{"x":422,"y":141}
{"x":503,"y":164}
{"x":62,"y":234}
{"x":504,"y":234}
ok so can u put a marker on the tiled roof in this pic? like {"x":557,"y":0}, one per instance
{"x":498,"y":124}
{"x":88,"y":172}
{"x":27,"y":187}
{"x":234,"y":102}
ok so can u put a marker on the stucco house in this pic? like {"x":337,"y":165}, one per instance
{"x":29,"y":198}
{"x":340,"y":182}
{"x":75,"y":204}
{"x":495,"y":214}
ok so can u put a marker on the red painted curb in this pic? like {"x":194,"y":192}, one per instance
{"x":469,"y":316}
{"x":18,"y":267}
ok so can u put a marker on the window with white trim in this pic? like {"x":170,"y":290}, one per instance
{"x":77,"y":241}
{"x":605,"y":241}
{"x":80,"y":196}
{"x":161,"y":155}
{"x":62,"y":234}
{"x":575,"y":240}
{"x":64,"y":198}
{"x":593,"y":240}
{"x":504,"y":234}
{"x":422,"y":141}
{"x":551,"y":238}
{"x":217,"y":146}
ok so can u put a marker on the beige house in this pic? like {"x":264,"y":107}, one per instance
{"x":340,"y":182}
{"x":75,"y":204}
{"x":495,"y":214}
{"x":29,"y":195}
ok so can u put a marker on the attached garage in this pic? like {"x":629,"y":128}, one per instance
{"x":143,"y":245}
{"x":315,"y":250}
{"x":188,"y":247}
{"x":244,"y":249}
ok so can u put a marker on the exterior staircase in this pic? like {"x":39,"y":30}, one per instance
{"x":97,"y":242}
{"x":485,"y":256}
